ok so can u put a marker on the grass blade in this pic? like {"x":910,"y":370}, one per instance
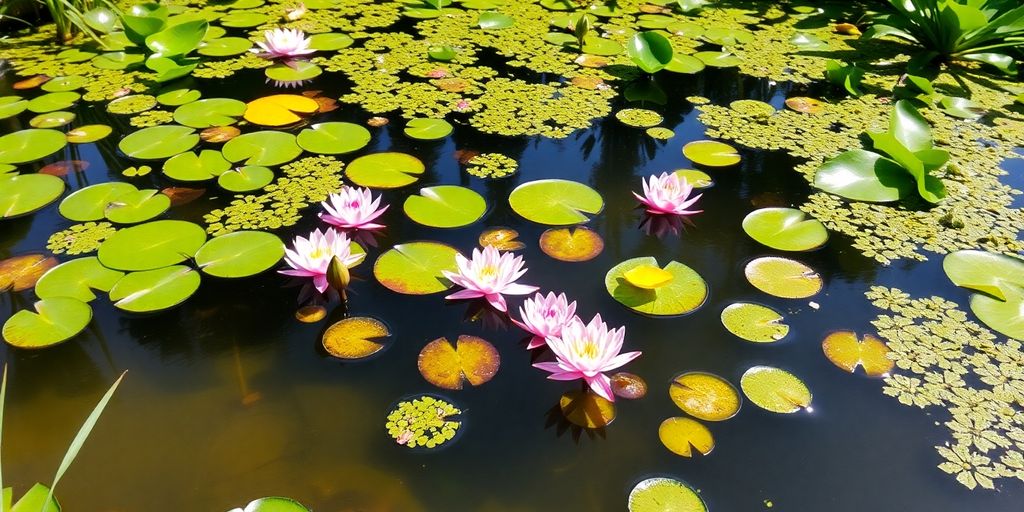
{"x":83,"y":434}
{"x":3,"y":393}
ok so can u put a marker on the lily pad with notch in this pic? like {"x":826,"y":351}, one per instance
{"x":785,"y":229}
{"x":385,"y":170}
{"x":754,"y":322}
{"x":159,"y":142}
{"x":775,"y":390}
{"x":555,"y":202}
{"x":674,"y":290}
{"x":54,"y":321}
{"x":416,"y":268}
{"x":266,"y":148}
{"x":77,"y":279}
{"x":246,"y":178}
{"x":30,"y":145}
{"x":355,"y":338}
{"x":239,"y":254}
{"x":445,"y":206}
{"x":155,"y":290}
{"x":450,"y":365}
{"x":333,"y":138}
{"x":705,"y":396}
{"x":27,"y":193}
{"x":152,"y":245}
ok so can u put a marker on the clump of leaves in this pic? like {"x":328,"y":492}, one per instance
{"x":845,"y":75}
{"x":921,"y":90}
{"x":424,"y":421}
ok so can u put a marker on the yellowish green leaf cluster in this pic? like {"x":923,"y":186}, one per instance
{"x":151,"y":118}
{"x":492,"y":165}
{"x":80,"y":238}
{"x":423,"y":422}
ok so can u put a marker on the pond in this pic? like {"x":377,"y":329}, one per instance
{"x":814,"y":338}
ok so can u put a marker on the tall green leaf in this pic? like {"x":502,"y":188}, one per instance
{"x":650,"y":51}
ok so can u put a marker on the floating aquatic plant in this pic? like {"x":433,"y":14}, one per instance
{"x":423,"y":422}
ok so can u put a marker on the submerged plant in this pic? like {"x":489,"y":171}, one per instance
{"x":587,"y":351}
{"x":314,"y":257}
{"x":489,"y":274}
{"x":987,"y":31}
{"x":668,"y":194}
{"x":544,"y":316}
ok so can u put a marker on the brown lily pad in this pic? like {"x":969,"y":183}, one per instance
{"x":20,"y":273}
{"x":355,"y":338}
{"x":183,"y":195}
{"x":64,"y":167}
{"x":629,"y":386}
{"x":586,"y":409}
{"x":805,"y":105}
{"x":469,"y":359}
{"x":219,"y":134}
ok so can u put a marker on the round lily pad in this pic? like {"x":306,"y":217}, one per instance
{"x":293,"y":73}
{"x":587,"y":409}
{"x":705,"y":396}
{"x":330,"y":41}
{"x":155,"y":290}
{"x":847,"y":352}
{"x":987,"y":272}
{"x":783,"y":277}
{"x":686,"y":64}
{"x":355,"y":338}
{"x":639,"y":117}
{"x":502,"y":239}
{"x":52,"y":119}
{"x":159,"y":142}
{"x":805,"y":105}
{"x":20,"y":273}
{"x":90,"y":203}
{"x":718,"y":59}
{"x":11,"y":106}
{"x":333,"y":138}
{"x":711,"y":153}
{"x":245,"y":179}
{"x":785,"y":229}
{"x":178,"y":97}
{"x":416,"y":268}
{"x":30,"y":145}
{"x":684,"y":436}
{"x":428,"y":129}
{"x":448,"y":365}
{"x":209,"y":112}
{"x":555,"y":202}
{"x":445,"y":206}
{"x":53,"y":101}
{"x":571,"y":244}
{"x":311,"y":314}
{"x":26,"y":193}
{"x":1003,"y":316}
{"x":77,"y":279}
{"x":754,"y":322}
{"x":152,"y":245}
{"x":266,"y":148}
{"x":88,"y":133}
{"x":775,"y":390}
{"x":683,"y":292}
{"x":243,"y":19}
{"x":137,"y":206}
{"x":695,"y":178}
{"x":54,"y":320}
{"x":279,"y":109}
{"x":629,"y":386}
{"x":224,"y":47}
{"x":239,"y":254}
{"x":385,"y":170}
{"x":189,"y":166}
{"x":664,"y":495}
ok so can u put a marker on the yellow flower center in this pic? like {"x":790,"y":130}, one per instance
{"x":587,"y":350}
{"x":488,"y":271}
{"x":316,"y":254}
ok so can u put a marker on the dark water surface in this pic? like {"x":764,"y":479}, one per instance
{"x":229,"y":398}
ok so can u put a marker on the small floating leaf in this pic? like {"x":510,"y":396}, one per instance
{"x":695,"y":178}
{"x":571,"y":244}
{"x":705,"y":396}
{"x":311,"y":314}
{"x":137,"y":206}
{"x":805,"y":105}
{"x":846,"y":352}
{"x":159,"y":142}
{"x":447,"y":365}
{"x":224,"y":47}
{"x":239,"y":254}
{"x":54,"y":320}
{"x":91,"y":203}
{"x":355,"y":338}
{"x":495,"y":20}
{"x":629,"y":386}
{"x":664,"y":495}
{"x":279,"y":109}
{"x":785,"y":229}
{"x":445,"y":206}
{"x":152,"y":245}
{"x":754,"y":322}
{"x":587,"y":409}
{"x":155,"y":290}
{"x":415,"y":268}
{"x":88,"y":133}
{"x":53,"y":101}
{"x":209,"y":112}
{"x":783,"y":277}
{"x":21,"y":273}
{"x":684,"y":435}
{"x":502,"y":239}
{"x":423,"y":422}
{"x":26,"y":193}
{"x":555,"y":202}
{"x":683,"y":294}
{"x":428,"y":129}
{"x":265,"y":148}
{"x":1003,"y":316}
{"x":775,"y":390}
{"x":991,"y":273}
{"x":333,"y":138}
{"x":711,"y":153}
{"x":385,"y":170}
{"x":77,"y":279}
{"x":245,"y":179}
{"x":189,"y":166}
{"x":330,"y":41}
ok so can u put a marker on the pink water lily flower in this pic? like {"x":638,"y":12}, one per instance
{"x":283,"y":43}
{"x":668,"y":194}
{"x":489,"y":274}
{"x":312,"y":257}
{"x":353,"y":208}
{"x":545,"y":316}
{"x":587,"y":352}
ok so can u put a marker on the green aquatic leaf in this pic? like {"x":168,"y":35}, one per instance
{"x":295,"y":72}
{"x":684,"y":292}
{"x":159,"y":142}
{"x":785,"y":229}
{"x":151,"y":245}
{"x":65,"y":83}
{"x":445,"y":206}
{"x":137,"y":206}
{"x":176,"y":97}
{"x":650,"y":51}
{"x":155,"y":290}
{"x":189,"y":166}
{"x":555,"y":202}
{"x":275,"y":504}
{"x":34,"y":500}
{"x":711,"y":153}
{"x":333,"y":138}
{"x":443,"y":53}
{"x":90,"y":203}
{"x":754,"y":322}
{"x":495,"y":20}
{"x":428,"y":129}
{"x":224,"y":47}
{"x":664,"y":495}
{"x":998,"y":275}
{"x":54,"y":320}
{"x":686,"y":64}
{"x":88,"y":133}
{"x":864,"y":176}
{"x":415,"y":268}
{"x":100,"y":19}
{"x":847,"y":76}
{"x":26,"y":193}
{"x":245,"y":179}
{"x":775,"y":390}
{"x":243,"y":19}
{"x":266,"y":148}
{"x":240,"y":254}
{"x":1004,"y":316}
{"x":209,"y":112}
{"x":718,"y":59}
{"x":30,"y":145}
{"x":77,"y":279}
{"x":118,"y":61}
{"x":330,"y":41}
{"x":177,"y":40}
{"x":385,"y":170}
{"x":52,"y":119}
{"x":11,"y":106}
{"x":728,"y":36}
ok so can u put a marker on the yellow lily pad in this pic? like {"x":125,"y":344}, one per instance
{"x":775,"y":390}
{"x":705,"y":396}
{"x":847,"y":352}
{"x":683,"y":436}
{"x":783,"y":277}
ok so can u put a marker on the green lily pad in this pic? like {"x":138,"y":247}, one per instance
{"x":595,"y":45}
{"x":54,"y":320}
{"x":785,"y":229}
{"x":243,"y":19}
{"x":240,"y":254}
{"x":650,"y":51}
{"x":428,"y":129}
{"x":275,"y":504}
{"x":775,"y":390}
{"x":178,"y":97}
{"x":555,"y":202}
{"x":686,"y":64}
{"x":72,"y":55}
{"x":26,"y":193}
{"x":330,"y":41}
{"x":864,"y":176}
{"x":151,"y":245}
{"x":415,"y":268}
{"x":189,"y":166}
{"x":65,"y":83}
{"x":445,"y":206}
{"x":52,"y":119}
{"x":53,"y":101}
{"x":495,"y":21}
{"x":695,"y":178}
{"x":88,"y":133}
{"x":245,"y":179}
{"x":295,"y":72}
{"x":783,"y":277}
{"x":11,"y":106}
{"x":683,"y":293}
{"x":90,"y":203}
{"x":333,"y":138}
{"x":664,"y":495}
{"x":686,"y":29}
{"x":178,"y":39}
{"x":1003,"y":316}
{"x":995,"y":274}
{"x":137,"y":206}
{"x":956,"y":107}
{"x":155,"y":290}
{"x":209,"y":112}
{"x":754,"y":322}
{"x":727,"y":36}
{"x":266,"y":148}
{"x":711,"y":154}
{"x":159,"y":142}
{"x":224,"y":47}
{"x":118,"y":61}
{"x":30,"y":145}
{"x":719,"y":59}
{"x":385,"y":170}
{"x":654,"y":21}
{"x":77,"y":279}
{"x":131,"y":104}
